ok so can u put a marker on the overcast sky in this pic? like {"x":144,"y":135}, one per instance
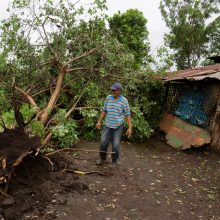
{"x":150,"y":8}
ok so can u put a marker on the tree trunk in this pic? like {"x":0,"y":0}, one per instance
{"x":53,"y":99}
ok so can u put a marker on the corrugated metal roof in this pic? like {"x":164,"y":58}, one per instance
{"x":211,"y":71}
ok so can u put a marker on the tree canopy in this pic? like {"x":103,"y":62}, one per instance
{"x":189,"y":31}
{"x":131,"y":30}
{"x":214,"y":36}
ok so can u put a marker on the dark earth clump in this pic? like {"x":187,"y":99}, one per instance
{"x":34,"y":187}
{"x":14,"y":142}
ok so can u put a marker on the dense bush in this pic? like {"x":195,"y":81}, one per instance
{"x":145,"y":96}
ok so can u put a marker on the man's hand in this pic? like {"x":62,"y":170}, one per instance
{"x":129,"y":132}
{"x":98,"y":125}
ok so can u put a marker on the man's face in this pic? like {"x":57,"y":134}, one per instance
{"x":116,"y":93}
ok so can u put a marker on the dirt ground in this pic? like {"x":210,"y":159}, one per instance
{"x":153,"y":182}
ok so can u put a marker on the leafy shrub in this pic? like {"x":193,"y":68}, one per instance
{"x":27,"y":111}
{"x":9,"y":119}
{"x":65,"y":133}
{"x":141,"y":128}
{"x":146,"y":98}
{"x":37,"y":128}
{"x":88,"y":130}
{"x":5,"y":104}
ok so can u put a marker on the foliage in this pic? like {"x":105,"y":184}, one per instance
{"x":9,"y":119}
{"x":146,"y":94}
{"x":63,"y":65}
{"x":90,"y":118}
{"x":27,"y":111}
{"x":188,"y":35}
{"x":165,"y":60}
{"x":37,"y":128}
{"x":141,"y":127}
{"x":213,"y":30}
{"x":65,"y":132}
{"x":130,"y":29}
{"x":5,"y":105}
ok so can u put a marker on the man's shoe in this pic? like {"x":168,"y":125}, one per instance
{"x":100,"y":162}
{"x":115,"y":164}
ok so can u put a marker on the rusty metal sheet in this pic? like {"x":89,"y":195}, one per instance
{"x":181,"y":134}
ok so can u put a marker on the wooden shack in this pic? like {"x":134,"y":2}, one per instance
{"x":192,"y":107}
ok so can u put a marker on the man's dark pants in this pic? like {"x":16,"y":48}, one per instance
{"x":113,"y":136}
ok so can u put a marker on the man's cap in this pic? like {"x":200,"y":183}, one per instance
{"x":116,"y":86}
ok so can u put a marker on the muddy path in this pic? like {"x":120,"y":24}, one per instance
{"x":153,"y":182}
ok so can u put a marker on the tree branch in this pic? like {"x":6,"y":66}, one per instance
{"x":92,"y":69}
{"x":27,"y":96}
{"x":48,"y":42}
{"x":85,"y":54}
{"x":82,"y":68}
{"x":84,"y":107}
{"x":49,"y":135}
{"x":75,"y":104}
{"x":48,"y":89}
{"x":54,"y":97}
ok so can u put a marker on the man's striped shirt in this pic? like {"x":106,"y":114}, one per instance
{"x":116,"y":111}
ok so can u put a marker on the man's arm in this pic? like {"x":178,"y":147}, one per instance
{"x":129,"y":131}
{"x":128,"y":117}
{"x":99,"y":123}
{"x":102,"y":116}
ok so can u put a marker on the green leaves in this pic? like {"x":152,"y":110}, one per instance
{"x":37,"y":128}
{"x":141,"y":128}
{"x":9,"y":119}
{"x":65,"y":132}
{"x":65,"y":135}
{"x":213,"y":31}
{"x":88,"y":130}
{"x":130,"y":29}
{"x":187,"y":23}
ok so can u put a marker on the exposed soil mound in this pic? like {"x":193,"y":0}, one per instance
{"x":14,"y":146}
{"x":14,"y":142}
{"x":34,"y":187}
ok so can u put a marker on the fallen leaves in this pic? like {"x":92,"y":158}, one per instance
{"x":211,"y":197}
{"x":174,"y":182}
{"x":195,"y":180}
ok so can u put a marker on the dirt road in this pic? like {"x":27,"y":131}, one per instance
{"x":153,"y":182}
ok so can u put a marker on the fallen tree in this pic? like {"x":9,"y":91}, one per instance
{"x":56,"y":67}
{"x":63,"y":65}
{"x":57,"y":60}
{"x":50,"y":63}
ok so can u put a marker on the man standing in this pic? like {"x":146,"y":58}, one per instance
{"x":115,"y":110}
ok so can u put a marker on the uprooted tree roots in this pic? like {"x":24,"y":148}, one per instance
{"x":15,"y":145}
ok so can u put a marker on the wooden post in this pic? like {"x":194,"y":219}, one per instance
{"x":215,"y":132}
{"x":167,"y":86}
